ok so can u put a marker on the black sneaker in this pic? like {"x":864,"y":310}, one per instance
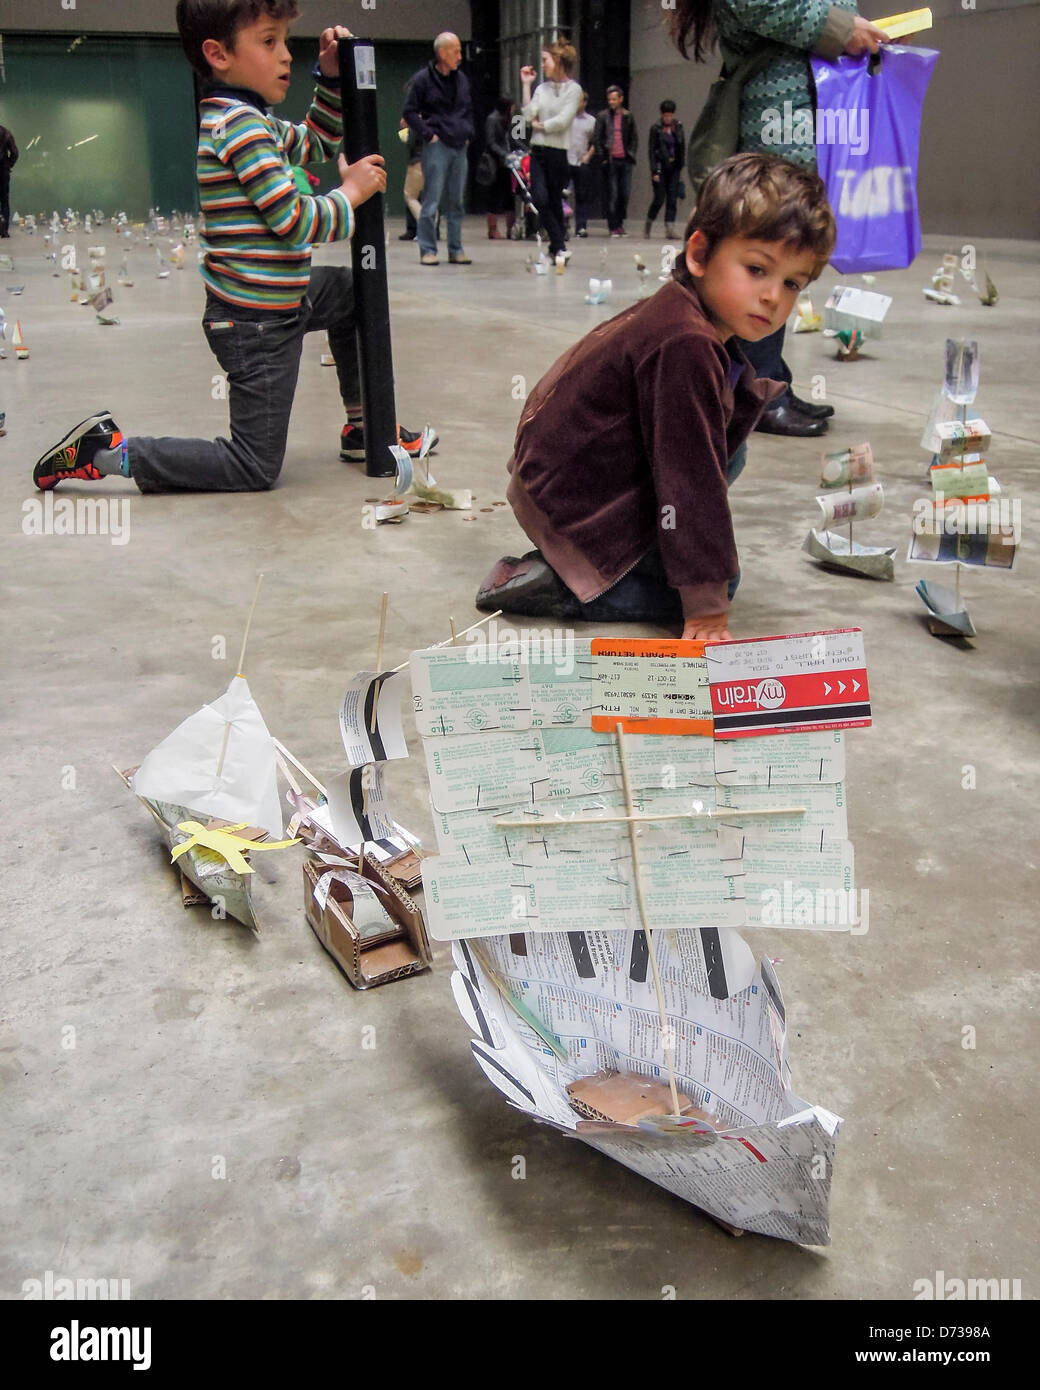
{"x":352,"y":442}
{"x":73,"y":457}
{"x":526,"y":585}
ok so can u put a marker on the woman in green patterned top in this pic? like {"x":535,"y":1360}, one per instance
{"x":795,"y":29}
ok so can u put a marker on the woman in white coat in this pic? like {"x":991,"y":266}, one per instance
{"x":551,"y":111}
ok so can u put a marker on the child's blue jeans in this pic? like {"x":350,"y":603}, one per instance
{"x":259,"y":349}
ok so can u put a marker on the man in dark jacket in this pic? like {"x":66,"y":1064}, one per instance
{"x":8,"y":159}
{"x":439,"y":109}
{"x":667,"y":149}
{"x":616,"y":143}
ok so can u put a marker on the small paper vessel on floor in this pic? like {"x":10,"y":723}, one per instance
{"x":366,"y":921}
{"x":966,"y":521}
{"x":863,"y":497}
{"x":216,"y":771}
{"x":608,"y":815}
{"x":354,"y":887}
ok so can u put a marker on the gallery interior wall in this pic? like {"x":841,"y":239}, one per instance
{"x":981,"y":126}
{"x":112,"y":123}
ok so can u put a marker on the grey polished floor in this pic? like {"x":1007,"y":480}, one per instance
{"x":390,"y":1167}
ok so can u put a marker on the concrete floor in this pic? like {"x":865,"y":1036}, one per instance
{"x":391,"y":1167}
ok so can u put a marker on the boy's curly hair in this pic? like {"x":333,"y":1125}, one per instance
{"x":767,"y":198}
{"x":199,"y":20}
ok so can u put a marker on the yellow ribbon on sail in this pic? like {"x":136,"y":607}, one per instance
{"x":222,"y":841}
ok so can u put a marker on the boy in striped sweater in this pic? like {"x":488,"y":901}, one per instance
{"x":262,"y":295}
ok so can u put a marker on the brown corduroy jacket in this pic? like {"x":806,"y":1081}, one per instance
{"x":625,"y":442}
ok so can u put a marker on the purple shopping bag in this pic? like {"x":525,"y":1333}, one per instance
{"x":868,"y":122}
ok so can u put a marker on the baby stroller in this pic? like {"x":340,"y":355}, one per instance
{"x":527,"y":216}
{"x":528,"y":219}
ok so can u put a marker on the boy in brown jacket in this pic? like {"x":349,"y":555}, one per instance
{"x":626,"y":447}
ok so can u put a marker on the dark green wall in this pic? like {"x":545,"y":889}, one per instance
{"x":136,"y":95}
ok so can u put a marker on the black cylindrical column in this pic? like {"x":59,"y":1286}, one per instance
{"x":357,"y":71}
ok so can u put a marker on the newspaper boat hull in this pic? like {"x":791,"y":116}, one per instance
{"x":211,"y":874}
{"x":763,"y":1164}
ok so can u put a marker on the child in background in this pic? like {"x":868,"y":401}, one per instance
{"x":626,"y":447}
{"x":262,"y":294}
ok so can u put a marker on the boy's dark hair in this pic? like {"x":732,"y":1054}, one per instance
{"x":764,"y":197}
{"x":667,"y":105}
{"x":614,"y":88}
{"x":199,"y":20}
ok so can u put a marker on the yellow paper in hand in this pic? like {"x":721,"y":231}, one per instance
{"x":909,"y":22}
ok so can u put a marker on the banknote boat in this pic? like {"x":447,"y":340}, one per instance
{"x":852,"y":493}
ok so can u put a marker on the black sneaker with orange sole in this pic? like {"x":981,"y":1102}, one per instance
{"x":352,"y":442}
{"x":74,"y":456}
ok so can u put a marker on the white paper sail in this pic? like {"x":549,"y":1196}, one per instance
{"x":858,"y":504}
{"x":183,"y":768}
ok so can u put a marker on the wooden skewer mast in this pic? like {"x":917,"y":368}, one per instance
{"x":633,"y":836}
{"x":238,"y":672}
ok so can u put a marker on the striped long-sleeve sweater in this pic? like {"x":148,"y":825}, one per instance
{"x":257,"y":229}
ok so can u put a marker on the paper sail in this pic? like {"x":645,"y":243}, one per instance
{"x":359,"y":812}
{"x":182,"y":769}
{"x":850,"y":308}
{"x":947,"y":616}
{"x":858,"y":504}
{"x":952,"y":437}
{"x":848,"y":466}
{"x":831,"y":549}
{"x":367,"y":739}
{"x":957,"y":537}
{"x":965,"y":477}
{"x":961,"y":382}
{"x":747,"y":1150}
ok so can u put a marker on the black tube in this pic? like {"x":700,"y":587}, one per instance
{"x":357,"y":71}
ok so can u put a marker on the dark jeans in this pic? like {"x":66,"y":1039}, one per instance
{"x":581,"y":178}
{"x":259,"y":349}
{"x":618,"y":174}
{"x":666,"y":190}
{"x":5,"y":199}
{"x":644,"y":595}
{"x":767,"y":356}
{"x":549,"y":174}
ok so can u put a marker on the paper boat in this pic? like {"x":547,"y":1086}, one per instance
{"x":832,"y":550}
{"x":947,"y":617}
{"x":965,"y":521}
{"x":852,"y":493}
{"x":763,"y":1160}
{"x":179,"y":781}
